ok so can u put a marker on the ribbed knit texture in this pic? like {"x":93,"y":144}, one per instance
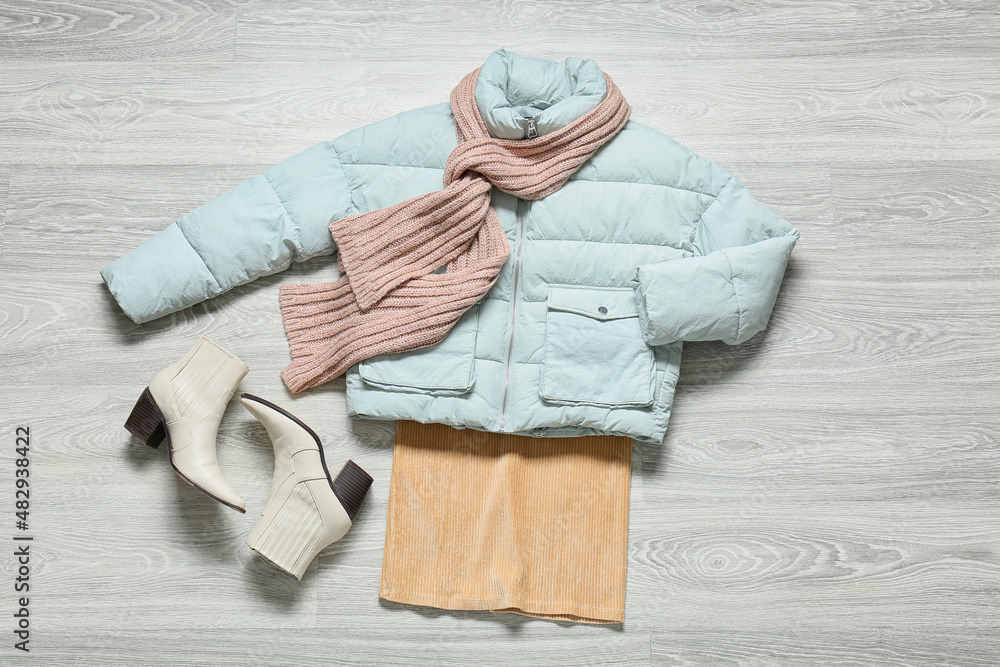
{"x":389,"y":300}
{"x":491,"y":521}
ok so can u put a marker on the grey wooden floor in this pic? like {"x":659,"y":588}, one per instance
{"x":827,"y":493}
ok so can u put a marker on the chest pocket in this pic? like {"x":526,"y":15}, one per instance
{"x":593,"y":352}
{"x":445,"y":369}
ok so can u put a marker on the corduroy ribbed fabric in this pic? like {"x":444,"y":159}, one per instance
{"x":389,"y":299}
{"x":505,"y":523}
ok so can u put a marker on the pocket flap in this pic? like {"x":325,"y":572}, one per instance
{"x":599,"y":303}
{"x":445,"y":369}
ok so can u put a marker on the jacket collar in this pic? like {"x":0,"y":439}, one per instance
{"x":512,"y":89}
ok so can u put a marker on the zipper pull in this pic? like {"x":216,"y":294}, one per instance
{"x":532,"y":132}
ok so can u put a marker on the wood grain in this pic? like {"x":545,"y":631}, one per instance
{"x":944,"y":213}
{"x":884,"y":645}
{"x":826,"y":493}
{"x":845,"y":109}
{"x":215,"y":113}
{"x":480,"y":643}
{"x":32,"y":30}
{"x":262,"y":112}
{"x":873,"y":446}
{"x":4,"y":189}
{"x":677,"y":32}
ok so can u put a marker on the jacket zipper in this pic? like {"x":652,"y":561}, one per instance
{"x":532,"y":132}
{"x":513,"y":314}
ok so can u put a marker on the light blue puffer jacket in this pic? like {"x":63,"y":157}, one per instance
{"x":646,"y":246}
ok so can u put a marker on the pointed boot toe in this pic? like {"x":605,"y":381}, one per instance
{"x":209,"y":480}
{"x":307,"y":508}
{"x":184,"y":405}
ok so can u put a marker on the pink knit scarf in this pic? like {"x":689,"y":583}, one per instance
{"x":389,"y":299}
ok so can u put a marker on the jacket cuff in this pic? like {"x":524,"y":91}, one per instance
{"x":163,"y":275}
{"x":687,"y":299}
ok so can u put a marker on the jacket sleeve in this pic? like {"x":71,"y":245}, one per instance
{"x":725,"y":292}
{"x":258,"y":228}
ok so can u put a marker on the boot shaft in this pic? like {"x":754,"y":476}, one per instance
{"x":307,"y":509}
{"x":196,"y":386}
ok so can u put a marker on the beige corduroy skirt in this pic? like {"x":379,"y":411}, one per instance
{"x":504,"y":523}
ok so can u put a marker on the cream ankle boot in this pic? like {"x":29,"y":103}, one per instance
{"x":185,"y":403}
{"x":307,"y":509}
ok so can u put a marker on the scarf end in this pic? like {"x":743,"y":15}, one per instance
{"x":315,"y":317}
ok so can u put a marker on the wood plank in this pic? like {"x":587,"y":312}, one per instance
{"x":48,"y":324}
{"x":912,"y":221}
{"x":358,"y":643}
{"x":244,"y":113}
{"x":127,"y":113}
{"x":826,"y":566}
{"x":802,"y":193}
{"x":666,"y":33}
{"x":108,"y":30}
{"x":884,"y":645}
{"x":120,"y":208}
{"x":907,"y":331}
{"x":851,"y":110}
{"x":4,"y":190}
{"x":873,"y":444}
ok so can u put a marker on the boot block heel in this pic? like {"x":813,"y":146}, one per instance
{"x":351,"y":487}
{"x":146,"y":421}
